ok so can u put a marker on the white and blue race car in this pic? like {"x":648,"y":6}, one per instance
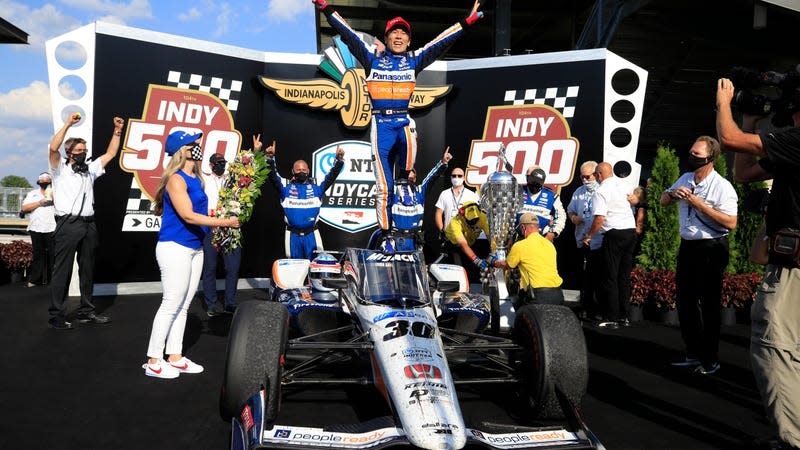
{"x":419,"y":339}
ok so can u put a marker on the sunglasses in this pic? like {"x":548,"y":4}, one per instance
{"x":457,"y":176}
{"x":586,"y":177}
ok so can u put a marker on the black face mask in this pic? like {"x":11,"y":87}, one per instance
{"x":218,"y":169}
{"x":473,"y":221}
{"x":43,"y":185}
{"x":300,"y":177}
{"x":697,"y":162}
{"x":79,"y":166}
{"x":533,"y":186}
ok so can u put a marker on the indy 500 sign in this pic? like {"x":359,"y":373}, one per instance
{"x":531,"y":134}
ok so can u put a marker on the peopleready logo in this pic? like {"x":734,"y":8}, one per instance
{"x":347,"y":92}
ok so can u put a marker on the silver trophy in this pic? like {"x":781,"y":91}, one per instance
{"x":501,"y":198}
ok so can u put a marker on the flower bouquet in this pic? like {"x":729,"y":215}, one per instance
{"x":246,"y":173}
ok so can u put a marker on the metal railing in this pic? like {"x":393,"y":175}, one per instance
{"x":11,"y":200}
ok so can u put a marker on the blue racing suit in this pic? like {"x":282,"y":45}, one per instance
{"x":546,"y":205}
{"x":391,"y":79}
{"x":408,"y":203}
{"x":301,"y":203}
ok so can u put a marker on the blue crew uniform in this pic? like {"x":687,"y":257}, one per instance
{"x":408,"y":209}
{"x":391,"y":79}
{"x":301,"y":203}
{"x":547,"y":206}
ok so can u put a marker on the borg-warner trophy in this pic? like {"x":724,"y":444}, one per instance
{"x":501,"y":198}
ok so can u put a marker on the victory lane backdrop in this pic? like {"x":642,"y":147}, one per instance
{"x":571,"y":91}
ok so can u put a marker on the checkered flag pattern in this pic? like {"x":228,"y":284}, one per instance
{"x":227,"y":90}
{"x":561,"y":98}
{"x":137,"y":200}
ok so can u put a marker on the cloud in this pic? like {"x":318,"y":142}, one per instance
{"x":41,"y":24}
{"x":287,"y":10}
{"x":25,"y":153}
{"x":192,"y":14}
{"x":135,"y":9}
{"x":225,"y":16}
{"x":28,"y":103}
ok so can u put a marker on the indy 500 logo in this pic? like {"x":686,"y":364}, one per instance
{"x":531,"y":134}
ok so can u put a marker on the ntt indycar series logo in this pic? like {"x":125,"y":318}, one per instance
{"x":349,"y":204}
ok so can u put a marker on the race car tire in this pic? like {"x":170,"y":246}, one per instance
{"x":553,"y":353}
{"x":256,"y":345}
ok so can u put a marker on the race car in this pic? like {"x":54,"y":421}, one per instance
{"x":381,"y":320}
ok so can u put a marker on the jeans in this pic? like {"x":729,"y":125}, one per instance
{"x":180,"y":273}
{"x":232,"y":261}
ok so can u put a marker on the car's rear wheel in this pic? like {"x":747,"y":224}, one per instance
{"x":553,"y":353}
{"x":255,"y":353}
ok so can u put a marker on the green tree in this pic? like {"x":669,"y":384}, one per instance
{"x":14,"y":181}
{"x":661,"y":234}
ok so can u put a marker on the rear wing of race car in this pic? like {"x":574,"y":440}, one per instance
{"x":250,"y":432}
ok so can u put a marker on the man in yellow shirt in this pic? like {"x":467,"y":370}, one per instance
{"x":535,"y":256}
{"x":462,"y":232}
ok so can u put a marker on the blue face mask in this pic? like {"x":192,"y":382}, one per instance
{"x":592,"y":186}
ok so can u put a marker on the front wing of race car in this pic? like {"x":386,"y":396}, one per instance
{"x":250,"y":432}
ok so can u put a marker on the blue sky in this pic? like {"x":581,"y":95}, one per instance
{"x":25,"y":119}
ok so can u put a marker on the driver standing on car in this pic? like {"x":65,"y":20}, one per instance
{"x":301,"y":200}
{"x":461,"y":234}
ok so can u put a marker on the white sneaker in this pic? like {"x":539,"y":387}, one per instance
{"x":160,"y":370}
{"x":185,"y":365}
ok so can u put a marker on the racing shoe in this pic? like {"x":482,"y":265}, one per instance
{"x":703,"y":370}
{"x":185,"y":365}
{"x":686,"y":362}
{"x":161,"y":369}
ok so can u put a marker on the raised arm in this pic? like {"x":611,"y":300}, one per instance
{"x":335,"y":170}
{"x":273,"y":176}
{"x":435,"y":48}
{"x":730,"y":136}
{"x":349,"y":36}
{"x":58,"y":139}
{"x":113,"y":144}
{"x":437,"y":170}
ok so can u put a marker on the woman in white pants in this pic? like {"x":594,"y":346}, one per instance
{"x":183,"y":205}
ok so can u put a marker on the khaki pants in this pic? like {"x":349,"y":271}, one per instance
{"x":775,"y":349}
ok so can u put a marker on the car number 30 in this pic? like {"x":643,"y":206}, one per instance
{"x":401,"y":328}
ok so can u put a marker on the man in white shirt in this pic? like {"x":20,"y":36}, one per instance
{"x":707,"y":209}
{"x":73,"y":184}
{"x":613,"y":216}
{"x":41,"y":224}
{"x":232,"y":260}
{"x":451,"y":199}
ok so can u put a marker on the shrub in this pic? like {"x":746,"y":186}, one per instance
{"x":16,"y":255}
{"x":661,"y":234}
{"x":739,"y":290}
{"x":640,"y":286}
{"x":663,"y":288}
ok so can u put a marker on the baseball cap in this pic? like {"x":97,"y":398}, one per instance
{"x":43,"y":176}
{"x":538,"y":176}
{"x":397,"y":22}
{"x":471,"y":210}
{"x":528,"y":218}
{"x":216,"y":158}
{"x":178,"y":139}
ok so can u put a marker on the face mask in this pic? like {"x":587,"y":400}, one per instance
{"x":79,"y":166}
{"x":300,"y":177}
{"x":218,"y":169}
{"x":43,"y":185}
{"x":534,"y":188}
{"x":197,"y":153}
{"x":79,"y":158}
{"x":457,"y":181}
{"x":696,"y":162}
{"x":472,"y":221}
{"x":591,"y":185}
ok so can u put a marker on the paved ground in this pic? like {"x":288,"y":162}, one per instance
{"x":85,"y":388}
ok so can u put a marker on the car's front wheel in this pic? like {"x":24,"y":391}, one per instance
{"x":553,"y":353}
{"x":255,"y":353}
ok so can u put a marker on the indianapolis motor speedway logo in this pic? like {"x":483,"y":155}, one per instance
{"x":347,"y":92}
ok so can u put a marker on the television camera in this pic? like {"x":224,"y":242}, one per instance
{"x":783,"y":99}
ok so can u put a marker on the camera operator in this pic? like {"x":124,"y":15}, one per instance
{"x":775,"y":327}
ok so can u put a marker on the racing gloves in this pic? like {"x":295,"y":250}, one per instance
{"x":321,"y":4}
